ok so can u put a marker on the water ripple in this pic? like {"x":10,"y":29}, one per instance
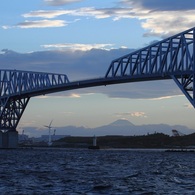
{"x":82,"y":171}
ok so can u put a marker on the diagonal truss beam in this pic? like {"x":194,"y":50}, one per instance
{"x":15,"y":82}
{"x":11,"y":112}
{"x":187,"y":85}
{"x":15,"y":89}
{"x":171,"y":58}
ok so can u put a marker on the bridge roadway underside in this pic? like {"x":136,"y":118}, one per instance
{"x":97,"y":82}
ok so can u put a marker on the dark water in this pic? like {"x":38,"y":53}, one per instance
{"x":82,"y":171}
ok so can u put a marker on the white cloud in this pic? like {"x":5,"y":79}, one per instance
{"x":165,"y":97}
{"x":74,"y":95}
{"x":159,"y":18}
{"x":77,"y":46}
{"x":6,"y":27}
{"x":158,"y":22}
{"x":42,"y":24}
{"x":163,"y":19}
{"x":93,"y":12}
{"x":139,"y":114}
{"x":84,"y":11}
{"x":57,"y":96}
{"x":167,"y":23}
{"x":46,"y":13}
{"x":132,"y":114}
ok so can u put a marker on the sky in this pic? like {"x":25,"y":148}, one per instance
{"x":80,"y":38}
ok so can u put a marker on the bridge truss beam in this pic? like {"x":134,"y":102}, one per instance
{"x":12,"y":109}
{"x":169,"y":58}
{"x":16,"y":88}
{"x":15,"y":82}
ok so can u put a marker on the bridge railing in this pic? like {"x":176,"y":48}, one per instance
{"x":14,"y":82}
{"x":169,"y":56}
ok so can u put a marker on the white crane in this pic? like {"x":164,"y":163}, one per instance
{"x":49,"y":127}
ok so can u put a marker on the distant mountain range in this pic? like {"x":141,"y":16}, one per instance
{"x":119,"y":127}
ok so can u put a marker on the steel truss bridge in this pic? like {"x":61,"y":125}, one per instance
{"x":171,"y":58}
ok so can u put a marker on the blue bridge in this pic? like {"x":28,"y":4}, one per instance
{"x":171,"y":58}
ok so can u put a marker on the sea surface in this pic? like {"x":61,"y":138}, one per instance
{"x":82,"y":171}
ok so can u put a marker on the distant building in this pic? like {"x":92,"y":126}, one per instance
{"x":22,"y":137}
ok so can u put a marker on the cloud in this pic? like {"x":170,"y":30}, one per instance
{"x":84,"y":12}
{"x":163,"y":19}
{"x":161,"y":5}
{"x":41,"y":24}
{"x":76,"y":46}
{"x":164,"y":97}
{"x":60,"y":2}
{"x":170,"y":23}
{"x":139,"y":114}
{"x":75,"y":95}
{"x":46,"y":13}
{"x":157,"y":17}
{"x":5,"y":27}
{"x":79,"y":65}
{"x":132,"y":114}
{"x":115,"y":13}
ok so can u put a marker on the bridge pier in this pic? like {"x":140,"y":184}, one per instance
{"x":8,"y":139}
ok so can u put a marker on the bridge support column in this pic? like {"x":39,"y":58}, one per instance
{"x":8,"y":139}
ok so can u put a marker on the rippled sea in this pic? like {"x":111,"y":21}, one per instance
{"x":83,"y":171}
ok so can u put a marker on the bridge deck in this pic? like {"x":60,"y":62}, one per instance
{"x":92,"y":83}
